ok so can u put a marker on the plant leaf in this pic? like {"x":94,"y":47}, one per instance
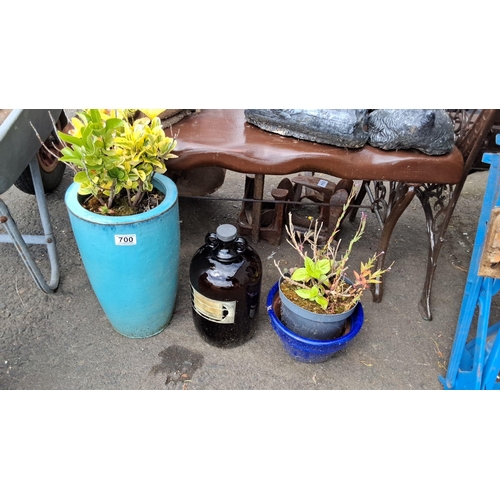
{"x":300,"y":275}
{"x":323,"y":266}
{"x":70,"y":138}
{"x":112,"y":123}
{"x":322,"y":301}
{"x":309,"y":294}
{"x":311,"y":268}
{"x":81,"y":177}
{"x":151,"y":113}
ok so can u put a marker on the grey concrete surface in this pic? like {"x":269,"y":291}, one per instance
{"x":64,"y":341}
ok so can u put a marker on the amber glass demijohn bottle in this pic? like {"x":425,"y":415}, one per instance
{"x":225,"y":276}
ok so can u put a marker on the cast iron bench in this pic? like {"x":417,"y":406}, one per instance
{"x":222,"y":138}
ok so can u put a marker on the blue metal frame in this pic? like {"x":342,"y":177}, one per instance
{"x":476,"y":364}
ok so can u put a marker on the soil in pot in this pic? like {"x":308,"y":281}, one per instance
{"x":309,"y":305}
{"x":121,"y":206}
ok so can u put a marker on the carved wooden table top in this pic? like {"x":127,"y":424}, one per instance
{"x":222,"y":137}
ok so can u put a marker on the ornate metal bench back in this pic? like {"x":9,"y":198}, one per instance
{"x":472,"y":128}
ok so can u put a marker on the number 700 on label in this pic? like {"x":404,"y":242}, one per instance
{"x":125,"y":239}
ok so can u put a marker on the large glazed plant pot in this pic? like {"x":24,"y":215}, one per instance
{"x":132,"y":261}
{"x":309,"y":350}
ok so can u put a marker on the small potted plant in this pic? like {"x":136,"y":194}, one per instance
{"x":124,"y":215}
{"x":318,"y":297}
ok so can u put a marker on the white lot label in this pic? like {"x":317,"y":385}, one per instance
{"x":125,"y":239}
{"x":322,"y":183}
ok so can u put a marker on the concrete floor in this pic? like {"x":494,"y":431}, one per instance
{"x":64,"y":341}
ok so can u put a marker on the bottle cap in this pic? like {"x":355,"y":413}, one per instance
{"x":226,"y":232}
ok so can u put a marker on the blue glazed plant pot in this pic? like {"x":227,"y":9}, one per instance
{"x":132,"y":261}
{"x":308,"y":350}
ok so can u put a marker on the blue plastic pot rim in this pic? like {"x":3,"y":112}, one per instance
{"x":161,"y":182}
{"x":358,"y":316}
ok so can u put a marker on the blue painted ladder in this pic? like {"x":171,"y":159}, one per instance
{"x":476,"y":364}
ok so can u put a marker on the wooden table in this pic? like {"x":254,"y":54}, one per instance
{"x":222,"y":137}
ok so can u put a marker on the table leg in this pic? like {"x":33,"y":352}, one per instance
{"x":438,"y":202}
{"x":401,"y":195}
{"x":258,"y":194}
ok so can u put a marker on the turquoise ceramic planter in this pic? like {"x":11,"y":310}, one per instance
{"x":132,"y":262}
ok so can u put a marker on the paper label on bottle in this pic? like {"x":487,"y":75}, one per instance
{"x":213,"y":310}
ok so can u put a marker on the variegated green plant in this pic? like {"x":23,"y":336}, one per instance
{"x":112,"y":153}
{"x":322,"y":279}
